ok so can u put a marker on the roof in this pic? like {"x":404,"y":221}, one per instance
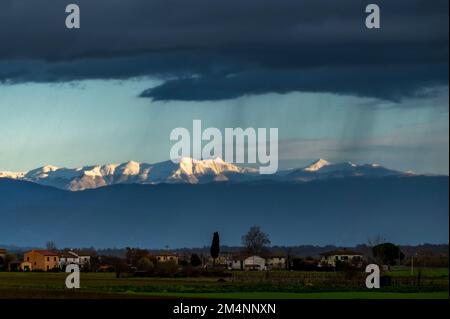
{"x":72,"y":253}
{"x":255,"y":256}
{"x":342,"y":252}
{"x":67,"y":255}
{"x":83,"y":252}
{"x":166,"y":254}
{"x":243,"y":256}
{"x":239,"y":256}
{"x":44,"y":252}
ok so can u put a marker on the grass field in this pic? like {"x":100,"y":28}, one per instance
{"x":315,"y":295}
{"x":105,"y":285}
{"x":402,"y":271}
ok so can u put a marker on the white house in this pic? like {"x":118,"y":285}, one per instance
{"x":276,"y":262}
{"x":71,"y":257}
{"x":235,"y":263}
{"x":341,"y":255}
{"x":255,"y":263}
{"x":239,"y":262}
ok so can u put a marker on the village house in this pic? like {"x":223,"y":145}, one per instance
{"x":223,"y":260}
{"x":236,"y":264}
{"x":245,"y":262}
{"x":43,"y":260}
{"x":255,"y":263}
{"x":276,"y":262}
{"x":329,"y":259}
{"x":234,"y":261}
{"x":73,"y":257}
{"x":167,"y":257}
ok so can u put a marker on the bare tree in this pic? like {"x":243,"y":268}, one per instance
{"x":376,"y":240}
{"x":255,"y":241}
{"x":372,"y":242}
{"x":51,"y":245}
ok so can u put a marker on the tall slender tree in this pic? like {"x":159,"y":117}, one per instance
{"x":215,"y":247}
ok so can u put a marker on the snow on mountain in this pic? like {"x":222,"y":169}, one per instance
{"x":197,"y":171}
{"x":323,"y":169}
{"x":11,"y":175}
{"x":317,"y":165}
{"x":187,"y":170}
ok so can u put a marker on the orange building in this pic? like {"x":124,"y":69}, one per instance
{"x":41,"y":260}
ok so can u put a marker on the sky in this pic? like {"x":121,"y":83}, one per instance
{"x":113,"y":90}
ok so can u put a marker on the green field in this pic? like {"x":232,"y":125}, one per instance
{"x":256,"y":286}
{"x":401,"y":271}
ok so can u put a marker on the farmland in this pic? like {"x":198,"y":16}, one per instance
{"x":259,"y":285}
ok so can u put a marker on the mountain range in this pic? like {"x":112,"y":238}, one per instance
{"x":189,"y":171}
{"x":181,"y":204}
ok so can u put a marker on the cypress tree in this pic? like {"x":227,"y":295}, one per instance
{"x":215,"y":247}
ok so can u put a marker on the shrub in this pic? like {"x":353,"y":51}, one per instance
{"x":144,"y":264}
{"x":168,"y":268}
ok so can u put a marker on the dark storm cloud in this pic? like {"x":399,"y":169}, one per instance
{"x":391,"y":83}
{"x":212,"y":50}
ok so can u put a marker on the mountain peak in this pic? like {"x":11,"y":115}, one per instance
{"x":217,"y":159}
{"x":317,"y":165}
{"x":186,"y":160}
{"x":49,"y":168}
{"x":130,"y":168}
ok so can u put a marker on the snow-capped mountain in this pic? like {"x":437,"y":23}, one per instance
{"x":186,"y":170}
{"x":317,"y":165}
{"x":322,"y":169}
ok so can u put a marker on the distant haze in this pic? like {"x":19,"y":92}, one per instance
{"x":340,"y":211}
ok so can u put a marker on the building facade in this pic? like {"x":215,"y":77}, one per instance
{"x":276,"y":263}
{"x":40,"y":260}
{"x":255,"y":263}
{"x":331,"y":258}
{"x":73,"y":257}
{"x":167,"y":257}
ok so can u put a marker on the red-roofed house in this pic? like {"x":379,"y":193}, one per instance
{"x":43,"y":260}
